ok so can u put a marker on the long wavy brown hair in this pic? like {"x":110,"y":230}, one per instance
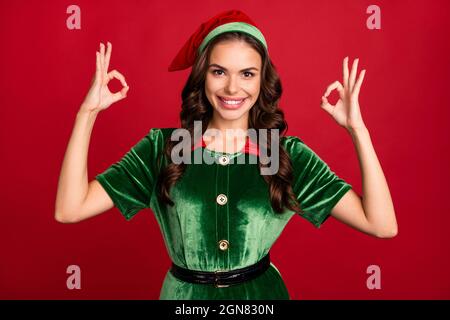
{"x":264,"y":114}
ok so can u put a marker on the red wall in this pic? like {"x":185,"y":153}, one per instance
{"x":46,"y":71}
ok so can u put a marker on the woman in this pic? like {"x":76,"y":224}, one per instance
{"x":219,"y":218}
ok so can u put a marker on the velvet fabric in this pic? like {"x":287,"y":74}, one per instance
{"x":193,"y":227}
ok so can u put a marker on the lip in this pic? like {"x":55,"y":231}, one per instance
{"x":231,"y":107}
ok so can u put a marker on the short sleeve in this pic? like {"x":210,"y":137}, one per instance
{"x":130,"y":182}
{"x":317,"y":188}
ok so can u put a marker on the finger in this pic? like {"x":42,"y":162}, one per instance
{"x":98,"y":69}
{"x":121,"y":94}
{"x":359,"y":83}
{"x":335,"y":85}
{"x":100,"y":65}
{"x":108,"y":56}
{"x":326,"y":105}
{"x":351,"y":81}
{"x":345,"y":72}
{"x":102,"y":57}
{"x":116,"y":74}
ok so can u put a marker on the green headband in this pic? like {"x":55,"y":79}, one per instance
{"x":233,"y":26}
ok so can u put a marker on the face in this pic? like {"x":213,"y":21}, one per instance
{"x":233,"y":82}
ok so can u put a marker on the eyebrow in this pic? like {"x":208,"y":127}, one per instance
{"x":219,"y":66}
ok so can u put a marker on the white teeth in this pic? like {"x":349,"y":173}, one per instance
{"x":232,"y":101}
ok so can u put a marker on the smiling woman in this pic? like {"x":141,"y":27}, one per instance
{"x":230,"y":86}
{"x":229,"y":221}
{"x":220,"y":219}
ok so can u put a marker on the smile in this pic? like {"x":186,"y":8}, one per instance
{"x":231,"y":103}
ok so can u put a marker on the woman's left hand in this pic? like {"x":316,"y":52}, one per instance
{"x":346,"y":112}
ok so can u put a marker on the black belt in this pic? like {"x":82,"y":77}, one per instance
{"x":222,"y":278}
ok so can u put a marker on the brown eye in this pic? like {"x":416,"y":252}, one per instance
{"x":250,"y":74}
{"x":217,"y":70}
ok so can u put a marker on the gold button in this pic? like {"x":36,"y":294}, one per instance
{"x":223,"y":245}
{"x":221,"y":199}
{"x":224,"y":160}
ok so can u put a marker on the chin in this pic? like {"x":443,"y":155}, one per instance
{"x":230,"y":117}
{"x":231,"y":114}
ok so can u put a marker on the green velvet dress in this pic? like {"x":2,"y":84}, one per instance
{"x":225,"y":201}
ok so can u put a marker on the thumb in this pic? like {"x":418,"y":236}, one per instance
{"x":121,"y":94}
{"x":326,"y":105}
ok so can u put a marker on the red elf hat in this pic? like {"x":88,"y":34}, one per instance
{"x":227,"y":21}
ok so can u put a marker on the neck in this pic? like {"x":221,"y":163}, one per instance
{"x":230,"y":139}
{"x":223,"y":125}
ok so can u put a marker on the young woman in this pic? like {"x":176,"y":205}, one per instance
{"x":220,"y":217}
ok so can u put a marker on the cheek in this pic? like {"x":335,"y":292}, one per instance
{"x":212,"y":85}
{"x":254,"y":89}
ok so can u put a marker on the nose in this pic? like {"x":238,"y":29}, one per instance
{"x":232,"y":85}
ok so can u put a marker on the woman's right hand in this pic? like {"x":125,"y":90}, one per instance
{"x":99,"y":97}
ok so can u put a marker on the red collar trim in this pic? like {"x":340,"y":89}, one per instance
{"x":250,"y":147}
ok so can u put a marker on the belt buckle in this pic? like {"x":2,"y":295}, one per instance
{"x":216,"y":280}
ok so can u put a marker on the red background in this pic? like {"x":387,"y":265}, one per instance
{"x":46,"y":71}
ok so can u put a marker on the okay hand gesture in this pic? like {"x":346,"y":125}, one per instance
{"x":99,"y":97}
{"x":346,"y":112}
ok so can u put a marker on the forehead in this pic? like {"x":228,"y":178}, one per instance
{"x":235,"y":54}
